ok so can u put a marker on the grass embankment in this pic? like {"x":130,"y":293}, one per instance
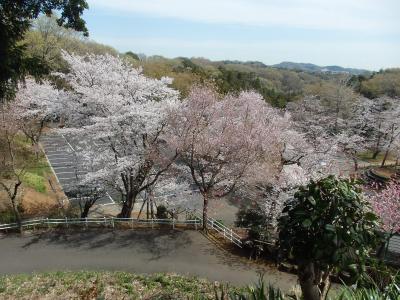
{"x":37,"y":197}
{"x":36,"y":167}
{"x":104,"y":285}
{"x":367,"y":156}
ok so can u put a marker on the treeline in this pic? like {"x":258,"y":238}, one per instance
{"x":382,"y":83}
{"x":46,"y":40}
{"x":277,"y":86}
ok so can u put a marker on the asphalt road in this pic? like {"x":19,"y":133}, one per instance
{"x":139,"y":251}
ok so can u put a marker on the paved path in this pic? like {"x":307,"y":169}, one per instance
{"x":139,"y":251}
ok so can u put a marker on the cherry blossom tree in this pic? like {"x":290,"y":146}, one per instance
{"x":307,"y":152}
{"x":176,"y":194}
{"x":337,"y":99}
{"x":351,"y":145}
{"x":315,"y":144}
{"x":386,"y":204}
{"x":118,"y":115}
{"x":391,"y":126}
{"x":35,"y":105}
{"x":226,"y":141}
{"x":382,"y":124}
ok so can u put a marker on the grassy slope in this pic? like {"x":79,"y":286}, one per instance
{"x":103,"y":285}
{"x":36,"y":189}
{"x":37,"y":169}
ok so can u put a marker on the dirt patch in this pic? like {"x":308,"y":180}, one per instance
{"x":35,"y":204}
{"x":39,"y":204}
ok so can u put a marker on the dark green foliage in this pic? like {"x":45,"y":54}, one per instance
{"x":255,"y":220}
{"x":15,"y":20}
{"x":328,"y":221}
{"x":162,"y":212}
{"x":328,"y":226}
{"x":236,"y":81}
{"x":7,"y":216}
{"x":391,"y":291}
{"x":132,"y":55}
{"x":258,"y":292}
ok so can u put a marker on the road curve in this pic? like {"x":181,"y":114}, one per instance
{"x":139,"y":251}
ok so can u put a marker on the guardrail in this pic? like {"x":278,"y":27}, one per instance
{"x":225,"y":232}
{"x":107,"y":222}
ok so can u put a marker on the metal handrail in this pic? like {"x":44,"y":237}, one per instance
{"x":226,"y":232}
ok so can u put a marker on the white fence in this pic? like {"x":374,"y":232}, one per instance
{"x":107,"y":222}
{"x":224,"y":231}
{"x":196,"y":223}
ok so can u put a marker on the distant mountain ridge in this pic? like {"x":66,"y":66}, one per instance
{"x":315,"y":68}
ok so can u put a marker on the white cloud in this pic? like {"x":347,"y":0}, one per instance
{"x":357,"y":15}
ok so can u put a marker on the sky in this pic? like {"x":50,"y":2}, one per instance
{"x":350,"y":33}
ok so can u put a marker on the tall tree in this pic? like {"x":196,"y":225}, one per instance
{"x":328,"y":226}
{"x":224,"y":141}
{"x":35,"y":105}
{"x":15,"y":20}
{"x":118,"y":115}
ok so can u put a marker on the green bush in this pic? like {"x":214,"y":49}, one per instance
{"x":7,"y":216}
{"x":162,"y":212}
{"x":389,"y":292}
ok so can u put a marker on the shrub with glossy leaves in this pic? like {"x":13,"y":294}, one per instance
{"x":328,"y":226}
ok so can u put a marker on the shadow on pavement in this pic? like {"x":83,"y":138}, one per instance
{"x":158,"y":243}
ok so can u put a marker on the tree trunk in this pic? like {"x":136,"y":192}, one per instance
{"x":127,"y":206}
{"x":205,"y":211}
{"x":308,"y":282}
{"x":385,"y":158}
{"x":151,"y":209}
{"x":17,"y":215}
{"x":377,"y":150}
{"x":325,"y":285}
{"x":85,"y":211}
{"x":132,"y":187}
{"x":13,"y":196}
{"x":355,"y":161}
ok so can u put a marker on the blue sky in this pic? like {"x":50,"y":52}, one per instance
{"x":350,"y":33}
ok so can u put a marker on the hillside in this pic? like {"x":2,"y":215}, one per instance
{"x":307,"y":67}
{"x":278,"y":84}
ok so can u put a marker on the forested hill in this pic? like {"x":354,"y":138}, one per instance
{"x":278,"y":86}
{"x":314,"y":68}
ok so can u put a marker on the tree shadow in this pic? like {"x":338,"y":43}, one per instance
{"x":155,"y":243}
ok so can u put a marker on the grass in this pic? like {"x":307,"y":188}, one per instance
{"x":35,"y":181}
{"x":104,"y":285}
{"x":367,"y":156}
{"x":36,"y":167}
